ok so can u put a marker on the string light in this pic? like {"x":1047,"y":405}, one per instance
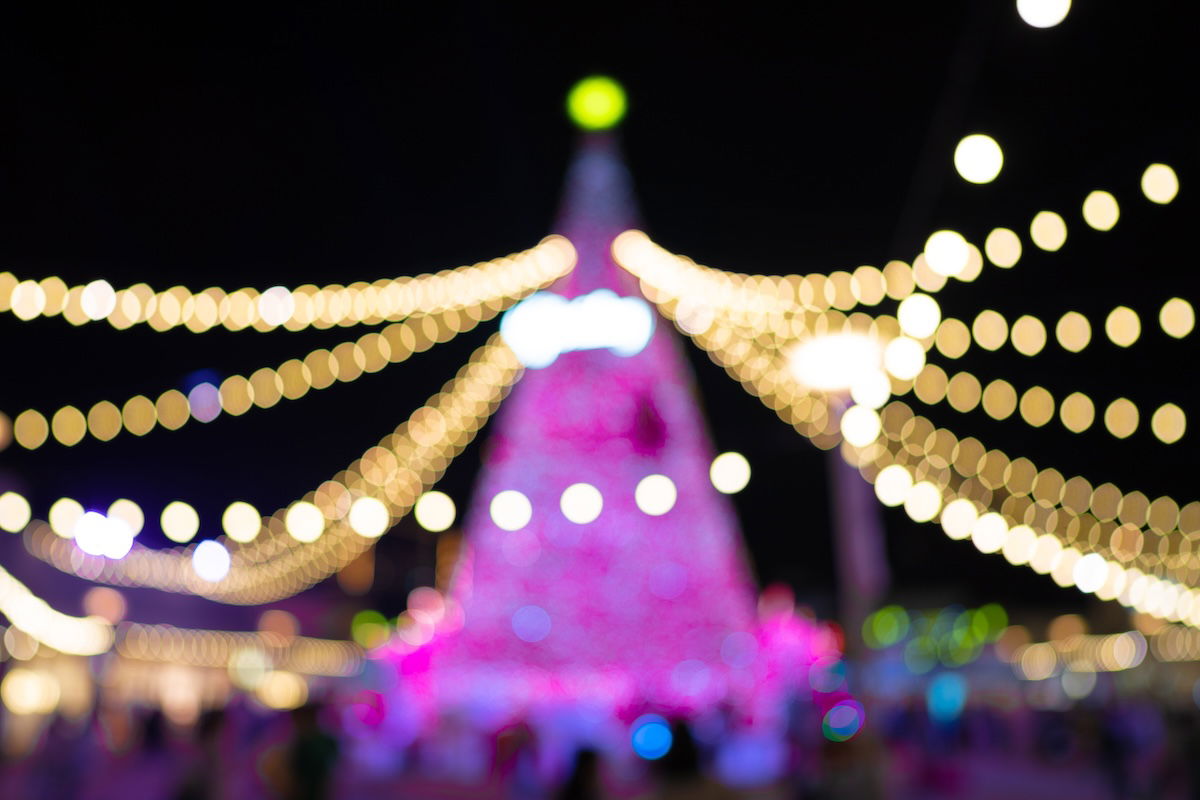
{"x":434,"y":511}
{"x":1177,"y":318}
{"x":83,"y":636}
{"x":946,"y":253}
{"x":274,"y":565}
{"x":304,"y":522}
{"x":730,"y":472}
{"x":1003,"y":248}
{"x":978,"y":158}
{"x":1100,"y":210}
{"x":14,"y":512}
{"x":1122,"y":326}
{"x":369,"y":517}
{"x":179,"y":521}
{"x":655,"y":495}
{"x":1160,"y":184}
{"x":1048,"y":231}
{"x":241,"y":522}
{"x":211,"y":561}
{"x":130,"y":513}
{"x":64,"y":513}
{"x":205,"y":648}
{"x":510,"y":510}
{"x":1043,"y":13}
{"x":488,"y":283}
{"x":265,"y":388}
{"x":923,"y":468}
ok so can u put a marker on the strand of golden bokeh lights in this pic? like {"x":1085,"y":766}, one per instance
{"x":783,"y":304}
{"x":1033,"y":517}
{"x":318,"y":535}
{"x":361,"y":303}
{"x":319,"y":369}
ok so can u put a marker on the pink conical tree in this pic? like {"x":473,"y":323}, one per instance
{"x":645,"y":603}
{"x":628,"y":612}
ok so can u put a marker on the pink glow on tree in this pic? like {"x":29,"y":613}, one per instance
{"x":629,"y":611}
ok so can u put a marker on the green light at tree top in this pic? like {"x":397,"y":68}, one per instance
{"x":596,"y":103}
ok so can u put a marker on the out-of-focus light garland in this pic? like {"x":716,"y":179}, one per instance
{"x":237,"y":394}
{"x":1028,"y":334}
{"x":179,"y":670}
{"x":291,"y":380}
{"x":204,"y":648}
{"x":276,"y":563}
{"x":291,"y":309}
{"x":1080,"y":536}
{"x":1080,"y":653}
{"x":749,"y":300}
{"x":84,"y":636}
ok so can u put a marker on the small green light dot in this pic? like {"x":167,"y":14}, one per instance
{"x":596,"y":103}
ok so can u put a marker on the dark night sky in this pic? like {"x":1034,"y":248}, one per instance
{"x":220,"y":146}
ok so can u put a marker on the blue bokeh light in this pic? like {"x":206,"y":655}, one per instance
{"x":946,"y":696}
{"x":651,"y":737}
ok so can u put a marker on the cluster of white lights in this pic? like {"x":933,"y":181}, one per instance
{"x":859,"y":363}
{"x":99,"y":535}
{"x":109,"y":534}
{"x":836,"y":361}
{"x":542,"y":327}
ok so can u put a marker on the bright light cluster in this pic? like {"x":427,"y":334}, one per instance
{"x":492,"y":283}
{"x":542,"y":327}
{"x":836,"y":361}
